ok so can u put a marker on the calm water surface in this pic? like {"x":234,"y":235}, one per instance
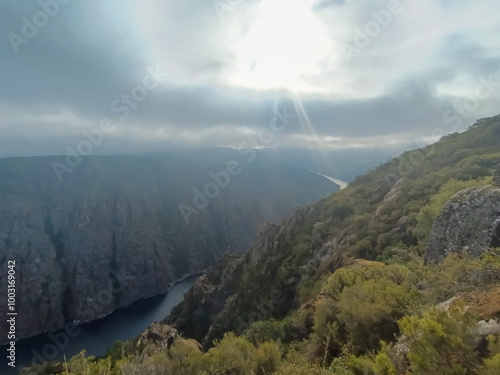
{"x":98,"y":336}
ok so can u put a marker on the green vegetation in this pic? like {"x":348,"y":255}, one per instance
{"x":365,"y":317}
{"x":356,"y":297}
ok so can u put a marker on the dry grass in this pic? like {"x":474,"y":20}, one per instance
{"x":485,"y":303}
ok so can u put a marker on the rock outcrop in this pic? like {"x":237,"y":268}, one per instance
{"x":496,"y":176}
{"x":222,"y":301}
{"x":469,"y":222}
{"x":206,"y":298}
{"x":242,"y":289}
{"x":159,"y":334}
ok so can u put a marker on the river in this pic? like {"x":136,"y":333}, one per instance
{"x":96,"y":337}
{"x":341,"y":183}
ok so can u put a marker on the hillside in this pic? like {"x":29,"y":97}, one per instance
{"x":383,"y":215}
{"x":113,"y":232}
{"x":341,"y":286}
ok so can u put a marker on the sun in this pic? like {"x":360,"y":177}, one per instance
{"x":284,"y":45}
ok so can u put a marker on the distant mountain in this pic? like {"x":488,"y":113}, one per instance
{"x":91,"y":236}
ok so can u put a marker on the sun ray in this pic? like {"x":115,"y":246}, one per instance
{"x":308,"y":127}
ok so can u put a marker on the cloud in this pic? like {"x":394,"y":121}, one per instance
{"x":228,"y":73}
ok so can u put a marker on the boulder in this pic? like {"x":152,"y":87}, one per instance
{"x":469,"y":222}
{"x":160,"y":334}
{"x":496,"y":176}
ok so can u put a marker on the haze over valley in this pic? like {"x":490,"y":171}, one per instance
{"x":250,"y":187}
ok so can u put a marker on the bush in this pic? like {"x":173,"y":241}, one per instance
{"x":441,"y":342}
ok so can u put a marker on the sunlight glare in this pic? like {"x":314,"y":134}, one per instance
{"x":285,"y":44}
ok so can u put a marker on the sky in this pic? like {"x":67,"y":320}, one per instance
{"x":135,"y":76}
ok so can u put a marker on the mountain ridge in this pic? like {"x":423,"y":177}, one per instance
{"x":338,"y":228}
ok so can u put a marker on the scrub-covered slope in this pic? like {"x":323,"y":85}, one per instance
{"x":385,"y":214}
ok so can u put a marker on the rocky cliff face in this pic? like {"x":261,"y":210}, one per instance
{"x":470,"y":222}
{"x":235,"y":292}
{"x":207,"y":297}
{"x":264,"y":282}
{"x":111,"y":233}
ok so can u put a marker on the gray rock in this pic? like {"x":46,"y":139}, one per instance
{"x":496,"y":176}
{"x":160,"y":334}
{"x":486,"y":328}
{"x":469,"y":222}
